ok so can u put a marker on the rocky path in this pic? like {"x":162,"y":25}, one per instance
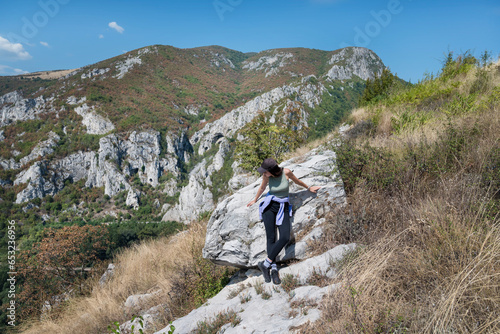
{"x":254,"y":306}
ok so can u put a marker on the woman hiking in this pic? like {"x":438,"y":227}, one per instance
{"x":275,"y":210}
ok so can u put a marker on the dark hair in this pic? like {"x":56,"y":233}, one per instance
{"x":276,"y":171}
{"x":270,"y":165}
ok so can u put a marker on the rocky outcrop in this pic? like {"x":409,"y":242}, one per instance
{"x":42,"y":149}
{"x":132,"y":199}
{"x":178,"y":145}
{"x":240,"y":178}
{"x":116,"y":160}
{"x":358,"y":61}
{"x":124,"y":66}
{"x":44,"y":178}
{"x":235,"y":235}
{"x":244,"y":296}
{"x":72,"y":100}
{"x":219,"y":59}
{"x":108,"y":274}
{"x":15,"y":108}
{"x":194,"y":199}
{"x":9,"y":164}
{"x":231,"y":122}
{"x":269,"y":64}
{"x":95,"y":72}
{"x":143,"y":151}
{"x":96,"y":124}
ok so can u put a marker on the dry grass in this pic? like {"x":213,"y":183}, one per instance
{"x":358,"y":115}
{"x":144,"y":268}
{"x":47,"y":75}
{"x":431,"y":261}
{"x":441,"y":274}
{"x":300,"y":151}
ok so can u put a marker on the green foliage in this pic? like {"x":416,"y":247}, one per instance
{"x":335,"y":104}
{"x":196,"y":282}
{"x":74,"y":143}
{"x":125,"y":234}
{"x":378,"y":88}
{"x":424,"y":92}
{"x":191,"y":79}
{"x":381,"y":170}
{"x":409,"y":119}
{"x":264,"y":139}
{"x":221,"y":178}
{"x":453,"y":66}
{"x":130,"y":122}
{"x":96,"y":94}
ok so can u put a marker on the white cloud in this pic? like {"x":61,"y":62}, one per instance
{"x":101,"y":36}
{"x":115,"y":26}
{"x":45,"y":44}
{"x":7,"y":70}
{"x":13,"y":50}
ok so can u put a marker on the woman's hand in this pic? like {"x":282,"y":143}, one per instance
{"x":252,"y":202}
{"x":314,"y":189}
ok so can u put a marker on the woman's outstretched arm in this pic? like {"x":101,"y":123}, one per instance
{"x":262,"y":187}
{"x":292,"y":177}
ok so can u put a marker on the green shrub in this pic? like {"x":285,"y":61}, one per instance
{"x":264,"y":139}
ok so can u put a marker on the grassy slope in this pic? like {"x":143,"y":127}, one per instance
{"x":423,"y":180}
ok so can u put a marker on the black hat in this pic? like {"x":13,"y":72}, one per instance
{"x":270,"y":165}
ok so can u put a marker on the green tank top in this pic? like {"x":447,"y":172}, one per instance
{"x":278,"y":186}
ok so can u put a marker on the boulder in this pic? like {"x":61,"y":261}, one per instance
{"x":235,"y":234}
{"x":137,"y":302}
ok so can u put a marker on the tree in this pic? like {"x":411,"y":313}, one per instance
{"x":263,"y":139}
{"x":378,"y":87}
{"x":58,"y":264}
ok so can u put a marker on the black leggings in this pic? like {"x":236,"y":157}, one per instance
{"x":269,"y":216}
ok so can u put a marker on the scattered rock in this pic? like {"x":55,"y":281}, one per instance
{"x":108,"y":274}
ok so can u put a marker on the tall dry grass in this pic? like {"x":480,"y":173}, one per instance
{"x":145,"y":268}
{"x":441,"y":274}
{"x":430,"y":255}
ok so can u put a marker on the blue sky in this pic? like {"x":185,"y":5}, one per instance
{"x":411,"y":36}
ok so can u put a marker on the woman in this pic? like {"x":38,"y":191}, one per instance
{"x":272,"y":212}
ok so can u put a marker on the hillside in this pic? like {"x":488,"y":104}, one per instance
{"x":145,"y":142}
{"x":420,"y":169}
{"x":61,"y":134}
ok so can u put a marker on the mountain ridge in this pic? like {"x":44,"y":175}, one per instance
{"x":153,"y":127}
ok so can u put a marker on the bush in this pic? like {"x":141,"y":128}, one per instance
{"x":195,"y":283}
{"x":56,"y":265}
{"x":267,"y":140}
